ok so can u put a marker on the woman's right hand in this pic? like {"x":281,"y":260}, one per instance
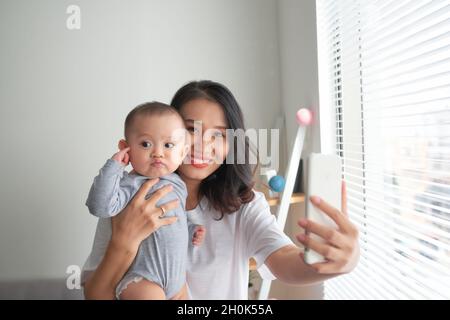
{"x":141,"y":217}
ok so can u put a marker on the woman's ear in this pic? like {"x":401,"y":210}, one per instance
{"x":122,"y":144}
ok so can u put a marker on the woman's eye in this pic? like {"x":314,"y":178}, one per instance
{"x":192,"y":129}
{"x":146,"y":144}
{"x":169,"y":145}
{"x":218,"y":134}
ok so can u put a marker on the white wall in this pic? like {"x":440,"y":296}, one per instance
{"x":299,"y":75}
{"x":299,"y":89}
{"x":64,"y":95}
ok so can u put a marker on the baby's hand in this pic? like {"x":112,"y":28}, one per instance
{"x":122,"y":156}
{"x":199,"y":235}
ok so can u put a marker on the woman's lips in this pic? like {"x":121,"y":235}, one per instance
{"x":199,"y":166}
{"x":199,"y":163}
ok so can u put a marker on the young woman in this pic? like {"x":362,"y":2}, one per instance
{"x":238,"y":221}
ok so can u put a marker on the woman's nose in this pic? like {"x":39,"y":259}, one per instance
{"x":203,"y":146}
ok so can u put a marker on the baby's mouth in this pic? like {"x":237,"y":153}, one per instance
{"x":157,"y":164}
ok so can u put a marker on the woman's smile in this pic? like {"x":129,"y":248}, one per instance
{"x":200,"y":163}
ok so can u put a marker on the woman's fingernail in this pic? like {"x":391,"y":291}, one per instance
{"x":316,"y":200}
{"x":302,"y":222}
{"x":301,"y":237}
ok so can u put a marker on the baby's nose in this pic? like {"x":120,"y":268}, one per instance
{"x":157,"y":153}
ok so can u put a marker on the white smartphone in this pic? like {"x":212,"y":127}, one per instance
{"x":323,"y":180}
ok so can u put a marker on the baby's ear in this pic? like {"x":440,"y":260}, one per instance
{"x":122,"y":144}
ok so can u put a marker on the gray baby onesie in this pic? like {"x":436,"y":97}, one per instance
{"x":162,"y":256}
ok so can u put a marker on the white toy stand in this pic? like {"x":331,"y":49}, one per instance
{"x":304,"y":118}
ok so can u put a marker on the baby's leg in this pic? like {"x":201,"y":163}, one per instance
{"x":182,"y":294}
{"x":143,"y":290}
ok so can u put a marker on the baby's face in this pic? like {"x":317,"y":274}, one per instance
{"x":157,"y":144}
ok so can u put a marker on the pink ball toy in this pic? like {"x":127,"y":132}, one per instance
{"x":304,"y":117}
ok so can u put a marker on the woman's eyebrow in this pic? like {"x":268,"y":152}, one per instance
{"x":215,"y":127}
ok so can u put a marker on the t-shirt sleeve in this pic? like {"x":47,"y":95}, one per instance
{"x":262,"y":233}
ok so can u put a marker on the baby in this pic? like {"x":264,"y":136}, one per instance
{"x":155,"y":144}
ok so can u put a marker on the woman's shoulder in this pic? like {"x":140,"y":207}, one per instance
{"x":258,"y":199}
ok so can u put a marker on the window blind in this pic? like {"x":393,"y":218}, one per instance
{"x":385,"y":79}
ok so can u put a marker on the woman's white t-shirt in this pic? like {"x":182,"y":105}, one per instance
{"x":219,"y":268}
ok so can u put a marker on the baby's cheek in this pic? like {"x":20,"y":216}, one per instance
{"x":139,"y":160}
{"x":169,"y":160}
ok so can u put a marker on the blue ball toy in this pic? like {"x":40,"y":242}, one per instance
{"x":277,"y":183}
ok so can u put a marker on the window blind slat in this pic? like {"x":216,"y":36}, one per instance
{"x":396,"y":75}
{"x":382,"y":222}
{"x":360,"y":275}
{"x":422,"y":26}
{"x":381,"y":113}
{"x":409,"y":85}
{"x":442,"y":208}
{"x":404,"y":176}
{"x":405,"y":216}
{"x":444,"y":187}
{"x":407,"y":257}
{"x":405,"y":289}
{"x":403,"y":278}
{"x":402,"y":258}
{"x":404,"y":64}
{"x":391,"y":187}
{"x":374,"y":290}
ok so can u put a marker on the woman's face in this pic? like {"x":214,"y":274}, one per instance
{"x":206,"y":123}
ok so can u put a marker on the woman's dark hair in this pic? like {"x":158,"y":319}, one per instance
{"x":230,"y":185}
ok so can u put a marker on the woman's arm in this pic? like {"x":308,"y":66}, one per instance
{"x":136,"y":222}
{"x":341,"y":248}
{"x":101,"y":284}
{"x":287,"y":265}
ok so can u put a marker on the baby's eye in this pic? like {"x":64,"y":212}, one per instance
{"x":169,"y":145}
{"x":146,"y":144}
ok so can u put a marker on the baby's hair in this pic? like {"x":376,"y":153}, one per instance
{"x":149,"y":109}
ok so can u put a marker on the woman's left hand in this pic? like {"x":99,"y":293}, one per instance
{"x":341,"y":248}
